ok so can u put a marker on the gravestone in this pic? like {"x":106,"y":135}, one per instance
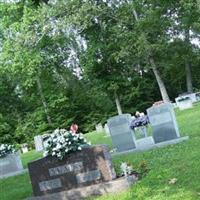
{"x":106,"y":129}
{"x":90,"y":166}
{"x":45,"y":138}
{"x":38,"y":143}
{"x":197,"y":96}
{"x":184,"y":102}
{"x":122,"y":135}
{"x":99,"y":127}
{"x":163,"y":121}
{"x":24,"y":148}
{"x":10,"y":165}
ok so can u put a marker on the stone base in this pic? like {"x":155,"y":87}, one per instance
{"x":117,"y":185}
{"x":146,"y":144}
{"x":185,"y":107}
{"x":13,"y":174}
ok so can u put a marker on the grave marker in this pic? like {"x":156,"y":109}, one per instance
{"x":122,"y":135}
{"x":10,"y":165}
{"x":38,"y":143}
{"x":163,"y":121}
{"x":99,"y":128}
{"x":87,"y":167}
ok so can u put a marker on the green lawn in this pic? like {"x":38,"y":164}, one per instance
{"x":181,"y":161}
{"x":31,"y":155}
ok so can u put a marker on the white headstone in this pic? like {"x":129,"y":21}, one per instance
{"x":24,"y":148}
{"x":184,"y":102}
{"x":38,"y":143}
{"x":107,"y":129}
{"x":163,"y":121}
{"x":99,"y":128}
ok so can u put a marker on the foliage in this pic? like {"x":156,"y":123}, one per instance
{"x":126,"y":169}
{"x":64,"y":62}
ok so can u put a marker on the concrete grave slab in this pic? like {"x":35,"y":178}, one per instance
{"x":113,"y":186}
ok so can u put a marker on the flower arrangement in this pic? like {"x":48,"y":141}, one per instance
{"x":183,"y":99}
{"x":139,"y":121}
{"x":62,"y":142}
{"x":6,"y":149}
{"x":126,"y":169}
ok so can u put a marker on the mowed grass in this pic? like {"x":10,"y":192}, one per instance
{"x":29,"y":156}
{"x":180,"y":161}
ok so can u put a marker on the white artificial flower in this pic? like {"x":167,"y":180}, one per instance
{"x":129,"y":169}
{"x":56,"y":131}
{"x":45,"y":153}
{"x":79,"y":148}
{"x":55,"y":140}
{"x":66,"y":150}
{"x":75,"y":138}
{"x":58,"y":146}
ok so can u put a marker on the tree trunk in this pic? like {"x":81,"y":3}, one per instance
{"x":117,"y":101}
{"x":160,"y":82}
{"x":188,"y":77}
{"x":188,"y":70}
{"x":43,"y":100}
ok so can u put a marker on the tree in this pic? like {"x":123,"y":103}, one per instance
{"x":185,"y":27}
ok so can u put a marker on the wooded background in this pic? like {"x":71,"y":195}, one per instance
{"x":75,"y":61}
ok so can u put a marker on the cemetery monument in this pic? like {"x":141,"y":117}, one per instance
{"x":163,"y":121}
{"x":122,"y":135}
{"x":74,"y":170}
{"x":10,"y":162}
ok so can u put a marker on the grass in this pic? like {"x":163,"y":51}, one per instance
{"x":30,"y":156}
{"x":180,"y":161}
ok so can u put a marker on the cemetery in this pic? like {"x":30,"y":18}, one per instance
{"x":99,"y":100}
{"x":94,"y":168}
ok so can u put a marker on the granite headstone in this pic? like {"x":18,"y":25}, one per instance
{"x":83,"y":168}
{"x":163,"y":121}
{"x":122,"y":135}
{"x":39,"y":143}
{"x":10,"y":165}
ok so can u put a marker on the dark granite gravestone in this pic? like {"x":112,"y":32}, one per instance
{"x":122,"y":135}
{"x":83,"y":168}
{"x":10,"y":165}
{"x":163,"y":121}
